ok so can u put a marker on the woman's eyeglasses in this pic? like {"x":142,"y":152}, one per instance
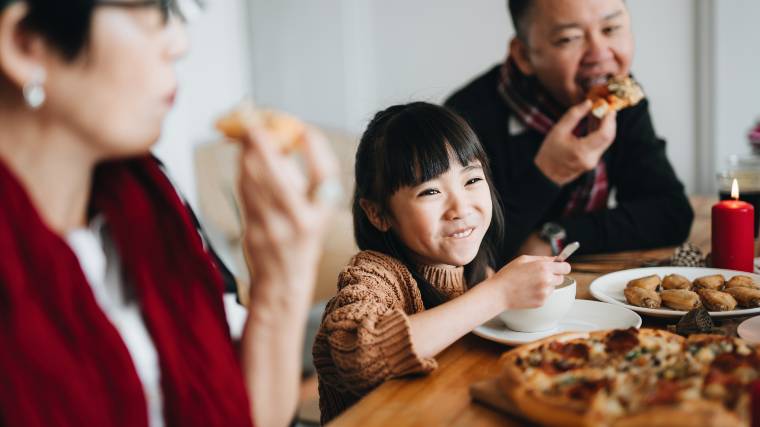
{"x":168,"y":8}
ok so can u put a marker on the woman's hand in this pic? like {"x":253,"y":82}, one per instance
{"x":284,"y":216}
{"x":527,"y":281}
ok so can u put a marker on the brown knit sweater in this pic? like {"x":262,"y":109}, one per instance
{"x":365,"y":338}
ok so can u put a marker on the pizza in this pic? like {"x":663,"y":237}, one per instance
{"x":287,"y":131}
{"x":632,"y":377}
{"x":617,"y":93}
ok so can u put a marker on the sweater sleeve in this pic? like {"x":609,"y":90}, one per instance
{"x":652,"y":209}
{"x":368,"y":332}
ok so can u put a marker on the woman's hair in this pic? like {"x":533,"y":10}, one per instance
{"x":406,"y":145}
{"x":65,"y":24}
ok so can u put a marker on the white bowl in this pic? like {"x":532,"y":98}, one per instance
{"x":545,"y":317}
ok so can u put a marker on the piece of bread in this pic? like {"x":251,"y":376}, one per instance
{"x":616,"y":94}
{"x":287,"y":131}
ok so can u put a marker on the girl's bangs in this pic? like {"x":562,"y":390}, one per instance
{"x":420,"y":144}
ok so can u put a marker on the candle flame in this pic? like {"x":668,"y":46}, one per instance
{"x":735,"y":190}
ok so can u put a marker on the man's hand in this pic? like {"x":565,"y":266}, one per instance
{"x":563,"y":156}
{"x":534,"y":245}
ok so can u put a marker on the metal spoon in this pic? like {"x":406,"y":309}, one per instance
{"x":569,"y":249}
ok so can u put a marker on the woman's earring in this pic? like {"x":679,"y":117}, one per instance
{"x":34,"y":92}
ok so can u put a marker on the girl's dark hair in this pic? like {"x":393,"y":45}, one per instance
{"x":406,"y":145}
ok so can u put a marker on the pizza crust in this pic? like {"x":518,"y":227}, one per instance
{"x":694,"y":413}
{"x":524,"y":378}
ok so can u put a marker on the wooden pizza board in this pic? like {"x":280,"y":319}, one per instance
{"x":488,"y":393}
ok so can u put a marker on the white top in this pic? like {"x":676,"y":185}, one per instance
{"x":102,"y":266}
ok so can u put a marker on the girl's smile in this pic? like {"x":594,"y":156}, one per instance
{"x":443,"y":220}
{"x":462,"y":234}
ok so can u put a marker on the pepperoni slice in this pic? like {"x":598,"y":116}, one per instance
{"x":571,"y":350}
{"x":622,"y":340}
{"x":586,"y":389}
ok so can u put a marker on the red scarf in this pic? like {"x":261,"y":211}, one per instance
{"x":62,"y":363}
{"x":536,"y":109}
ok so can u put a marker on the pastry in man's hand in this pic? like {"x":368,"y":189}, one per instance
{"x":746,"y":297}
{"x":617,"y":93}
{"x":680,"y":299}
{"x":649,"y":282}
{"x":716,"y":300}
{"x":715,"y":281}
{"x":676,"y":281}
{"x":642,"y":297}
{"x":287,"y":132}
{"x":742,"y":282}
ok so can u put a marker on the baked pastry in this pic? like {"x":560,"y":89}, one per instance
{"x":676,"y":281}
{"x":649,"y":282}
{"x":715,"y":281}
{"x":616,"y":94}
{"x":642,"y":297}
{"x":716,"y":300}
{"x":680,"y":299}
{"x":631,"y":377}
{"x":746,"y":297}
{"x":287,"y":131}
{"x":742,"y":282}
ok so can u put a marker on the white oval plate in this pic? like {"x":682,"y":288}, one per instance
{"x":749,"y":330}
{"x":609,"y":288}
{"x":584,"y":316}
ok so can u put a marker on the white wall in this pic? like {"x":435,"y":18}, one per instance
{"x":737,"y":77}
{"x":350,"y":58}
{"x":339,"y":61}
{"x":665,"y":65}
{"x":336,"y":62}
{"x":213,"y":76}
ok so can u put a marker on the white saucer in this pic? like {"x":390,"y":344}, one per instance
{"x":583,"y":317}
{"x":749,"y":330}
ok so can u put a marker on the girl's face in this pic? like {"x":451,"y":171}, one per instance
{"x":444,"y":220}
{"x":116,"y":93}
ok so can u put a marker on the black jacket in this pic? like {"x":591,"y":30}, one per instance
{"x":652,"y":209}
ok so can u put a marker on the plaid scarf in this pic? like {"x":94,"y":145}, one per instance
{"x":536,"y":109}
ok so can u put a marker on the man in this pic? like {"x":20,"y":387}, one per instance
{"x":555,"y":166}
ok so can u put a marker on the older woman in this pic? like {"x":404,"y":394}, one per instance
{"x":110,"y":305}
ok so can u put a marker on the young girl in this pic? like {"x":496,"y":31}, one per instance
{"x":428,"y":222}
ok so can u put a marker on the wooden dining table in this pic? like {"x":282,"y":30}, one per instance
{"x":442,"y":397}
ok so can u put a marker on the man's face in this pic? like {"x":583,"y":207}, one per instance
{"x":573,"y":44}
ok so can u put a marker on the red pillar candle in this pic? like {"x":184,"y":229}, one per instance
{"x":733,"y":233}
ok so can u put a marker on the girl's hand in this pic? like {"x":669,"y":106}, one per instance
{"x":284,"y":211}
{"x":527,"y":281}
